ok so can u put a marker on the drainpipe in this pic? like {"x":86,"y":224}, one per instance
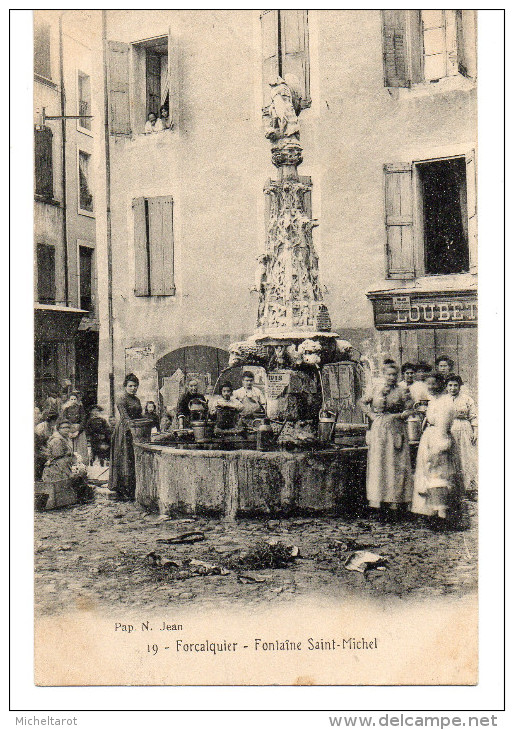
{"x":63,"y":162}
{"x":108,"y":211}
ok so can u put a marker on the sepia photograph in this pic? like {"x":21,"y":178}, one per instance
{"x":255,"y":347}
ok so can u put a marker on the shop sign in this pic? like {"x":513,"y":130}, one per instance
{"x":422,"y":310}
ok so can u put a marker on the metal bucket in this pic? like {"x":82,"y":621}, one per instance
{"x":326,"y":426}
{"x":203,"y":431}
{"x":226,"y":418}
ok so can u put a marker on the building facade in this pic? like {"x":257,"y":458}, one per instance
{"x":389,"y":141}
{"x":66,"y":318}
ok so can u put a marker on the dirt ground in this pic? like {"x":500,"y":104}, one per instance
{"x":94,"y":556}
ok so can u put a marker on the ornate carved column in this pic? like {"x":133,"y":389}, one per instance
{"x":290,"y":296}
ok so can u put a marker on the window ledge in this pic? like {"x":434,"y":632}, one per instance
{"x":84,"y":130}
{"x":171,"y":295}
{"x":89,"y":322}
{"x":443,"y":86}
{"x":45,"y":81}
{"x":162,"y":136}
{"x":87,"y":213}
{"x":47,"y":201}
{"x":434,"y":282}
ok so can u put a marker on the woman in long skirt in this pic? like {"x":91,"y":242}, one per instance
{"x":73,"y":411}
{"x":436,"y":480}
{"x":122,"y":474}
{"x":464,"y":431}
{"x":389,"y":476}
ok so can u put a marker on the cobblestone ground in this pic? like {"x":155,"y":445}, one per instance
{"x":94,"y":557}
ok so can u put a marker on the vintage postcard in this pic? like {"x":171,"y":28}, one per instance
{"x":256,"y":369}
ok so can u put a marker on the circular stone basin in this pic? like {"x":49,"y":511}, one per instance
{"x":246,"y":482}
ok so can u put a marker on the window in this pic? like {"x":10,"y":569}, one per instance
{"x":42,"y":64}
{"x":84,"y":100}
{"x":44,"y":176}
{"x":153,"y":246}
{"x":86,"y":278}
{"x":132,"y":97}
{"x":444,"y":211}
{"x":431,"y":221}
{"x":85,"y":194}
{"x":427,"y":45}
{"x":285,"y":50}
{"x":45,"y":273}
{"x":46,"y":367}
{"x":439,"y":44}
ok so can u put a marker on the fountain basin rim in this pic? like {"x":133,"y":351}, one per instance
{"x":232,"y":453}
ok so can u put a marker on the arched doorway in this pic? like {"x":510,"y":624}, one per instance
{"x":176,"y":367}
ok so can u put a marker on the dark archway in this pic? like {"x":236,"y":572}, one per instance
{"x":174,"y":368}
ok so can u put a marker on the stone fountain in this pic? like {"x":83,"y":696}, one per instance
{"x":310,"y":372}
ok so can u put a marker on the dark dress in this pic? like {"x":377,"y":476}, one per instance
{"x":77,"y":417}
{"x":122,"y":474}
{"x":154,"y":417}
{"x":99,"y":435}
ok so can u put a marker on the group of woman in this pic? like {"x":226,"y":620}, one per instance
{"x":61,"y":449}
{"x":446,"y":462}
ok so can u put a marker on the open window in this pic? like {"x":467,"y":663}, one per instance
{"x":84,"y":102}
{"x":155,"y":58}
{"x":444,"y":214}
{"x":86,"y":278}
{"x":85,"y":194}
{"x":427,"y":45}
{"x":431,"y":217}
{"x":142,"y":80}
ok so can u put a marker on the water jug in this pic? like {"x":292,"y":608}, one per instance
{"x":326,"y":426}
{"x":265,"y":435}
{"x":413,"y":428}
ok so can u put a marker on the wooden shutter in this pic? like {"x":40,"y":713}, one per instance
{"x":471,"y":203}
{"x":270,"y":70}
{"x":119,"y":105}
{"x":451,"y":33}
{"x":466,"y":43}
{"x":394,"y":38}
{"x":160,"y":233}
{"x":43,"y":162}
{"x":173,"y":80}
{"x":141,"y":263}
{"x":42,"y":60}
{"x":295,"y":49}
{"x":415,"y":46}
{"x":46,"y":273}
{"x":399,"y":221}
